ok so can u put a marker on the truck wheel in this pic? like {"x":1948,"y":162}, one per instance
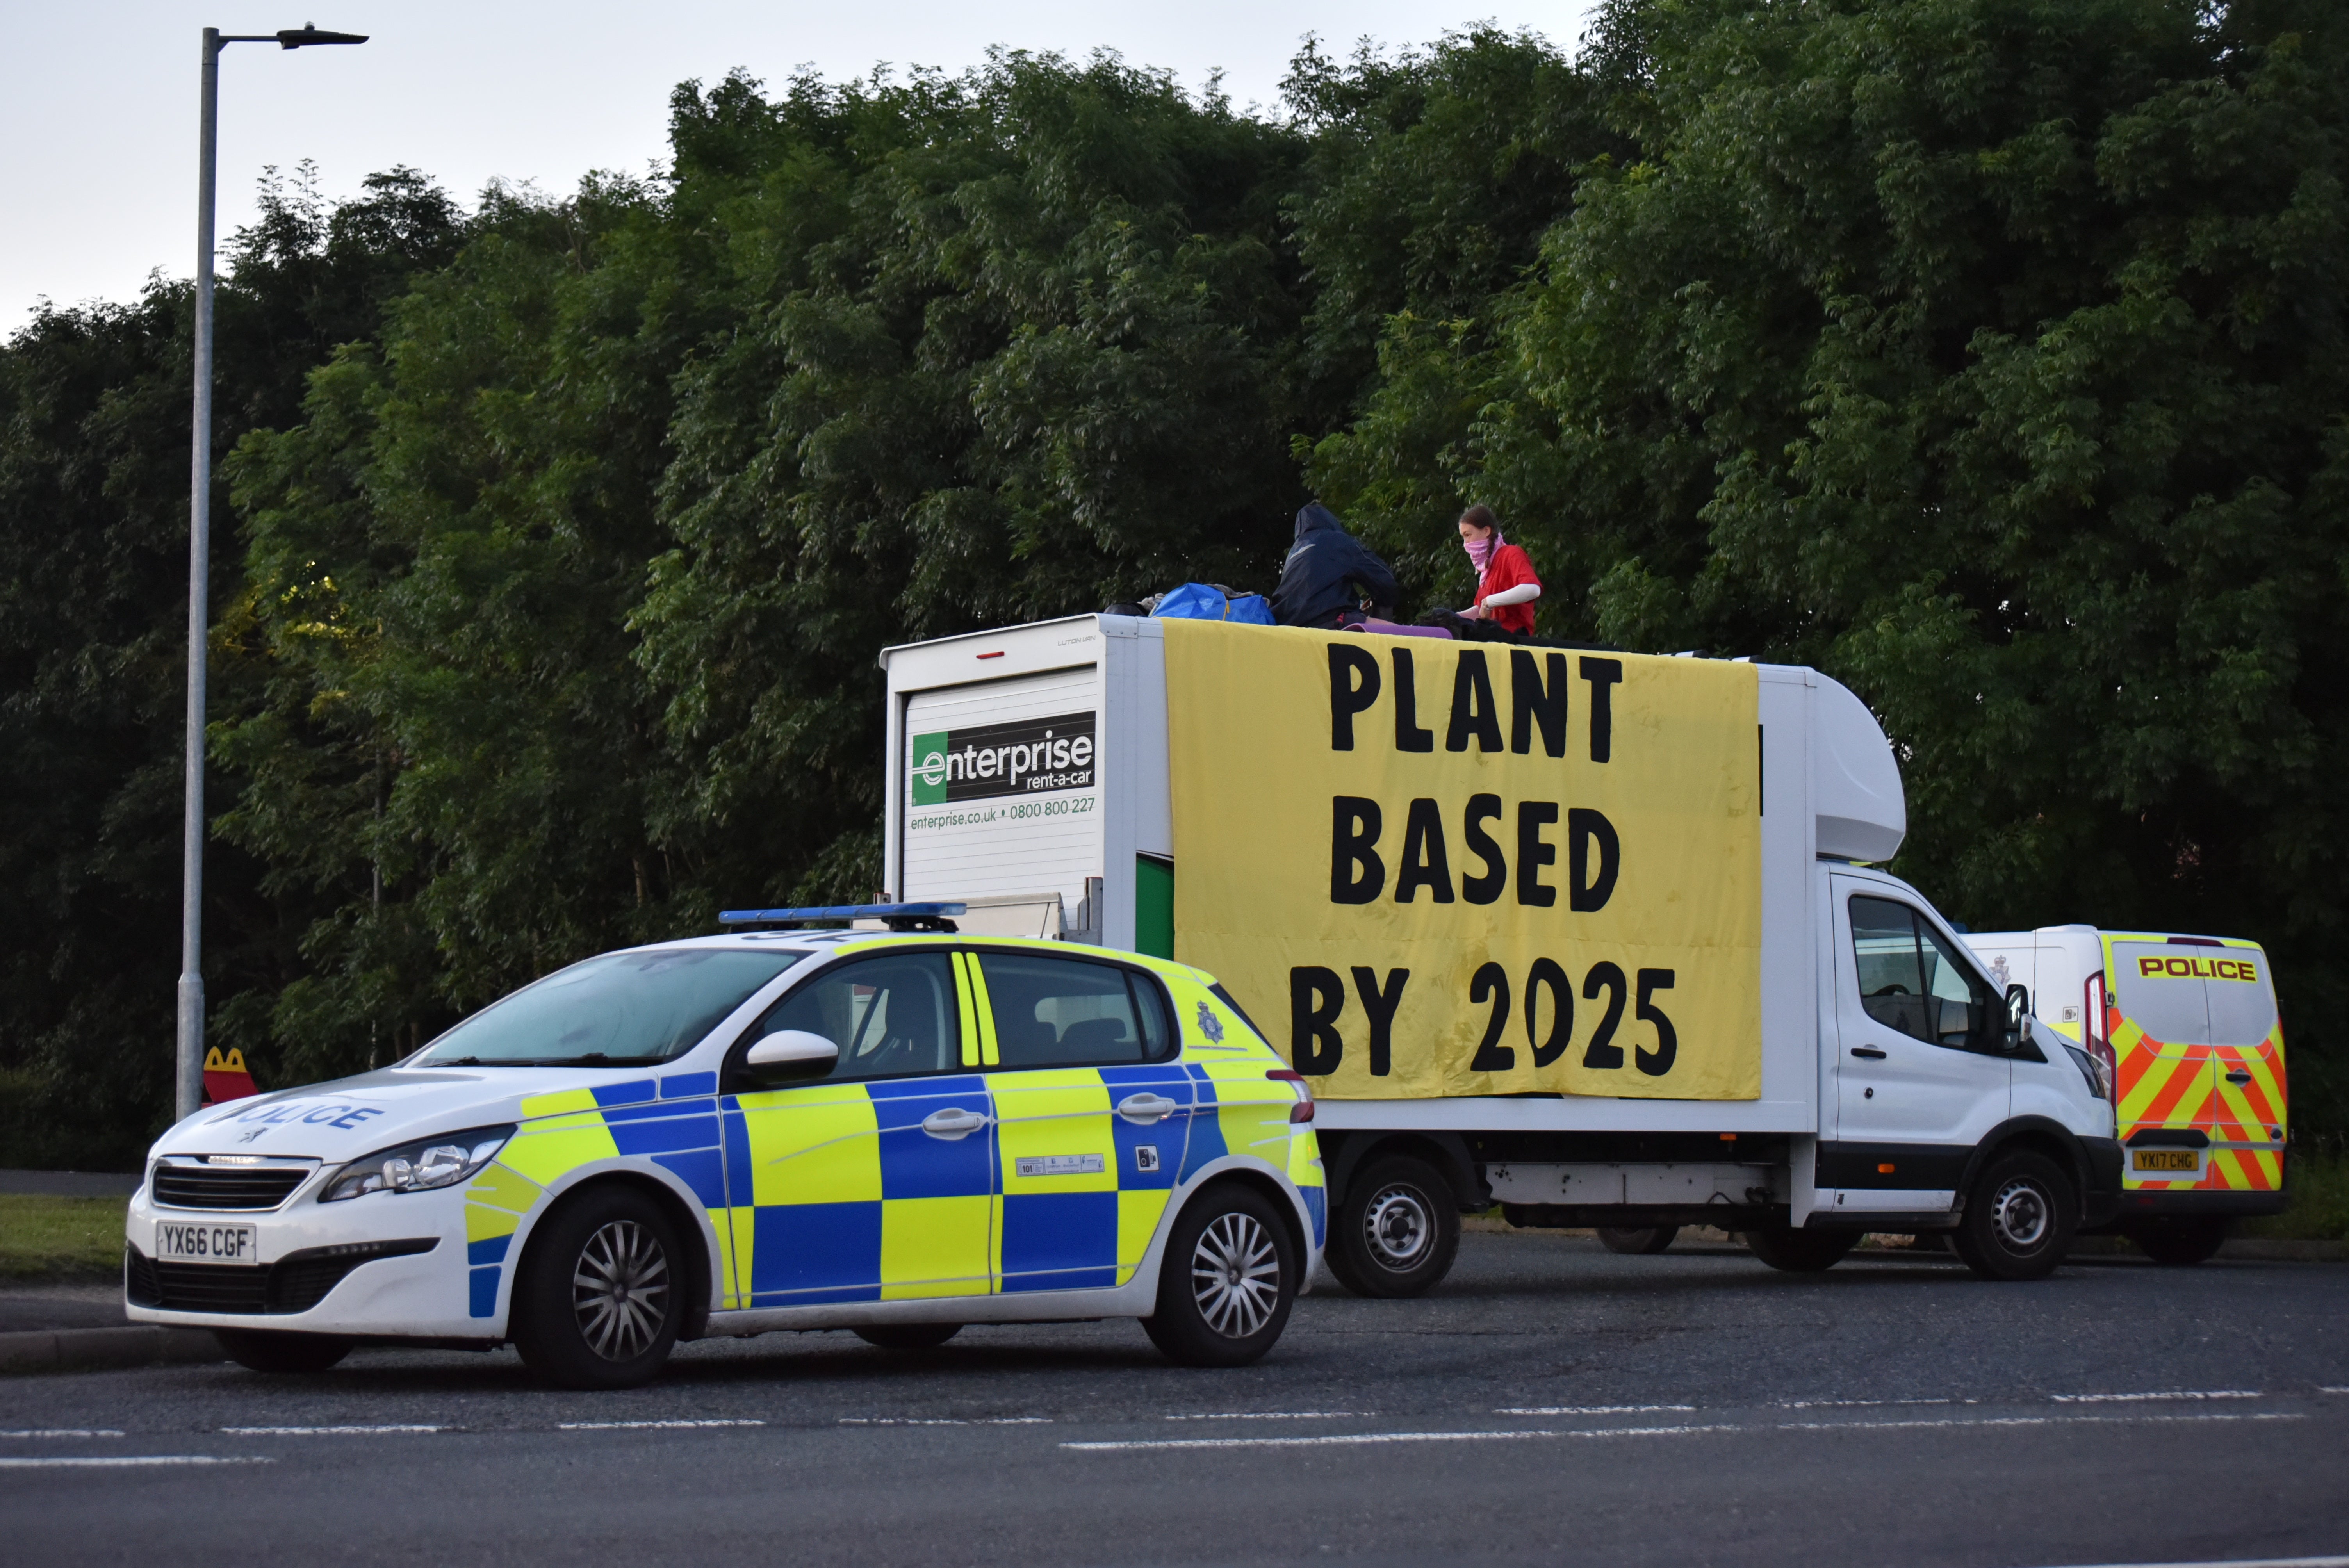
{"x":2019,"y":1218}
{"x":908,"y":1335}
{"x":1225,"y":1281}
{"x":266,"y":1351}
{"x":1637,"y":1241}
{"x":600,"y":1291}
{"x":1793,"y":1251}
{"x":2179,"y":1243}
{"x":1396,"y":1230}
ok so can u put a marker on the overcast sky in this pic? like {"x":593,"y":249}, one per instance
{"x":97,"y":106}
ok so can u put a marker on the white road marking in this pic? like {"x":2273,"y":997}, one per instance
{"x":2321,"y":1389}
{"x":36,"y":1433}
{"x":646,"y":1426}
{"x":2242,"y":1562}
{"x":2165,"y":1394}
{"x":127,"y":1461}
{"x":1364,"y":1440}
{"x":1865,"y":1404}
{"x":1276,"y":1415}
{"x":946,"y":1421}
{"x":320,"y":1432}
{"x":1589,"y":1409}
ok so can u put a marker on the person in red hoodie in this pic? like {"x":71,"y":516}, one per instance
{"x":1507,"y":585}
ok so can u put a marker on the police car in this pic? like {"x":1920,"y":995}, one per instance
{"x":897,"y":1131}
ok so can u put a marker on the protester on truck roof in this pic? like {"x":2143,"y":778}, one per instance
{"x":1328,"y":575}
{"x":1506,"y":584}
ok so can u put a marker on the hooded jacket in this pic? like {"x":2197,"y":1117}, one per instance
{"x":1328,"y":570}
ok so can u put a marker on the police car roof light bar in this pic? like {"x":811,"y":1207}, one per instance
{"x":897,"y":916}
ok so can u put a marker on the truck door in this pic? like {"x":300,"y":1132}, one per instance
{"x":1918,"y":1075}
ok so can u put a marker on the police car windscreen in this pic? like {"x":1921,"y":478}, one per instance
{"x":621,"y":1008}
{"x":2194,"y":995}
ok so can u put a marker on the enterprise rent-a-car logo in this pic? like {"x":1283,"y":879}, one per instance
{"x":1023,"y":757}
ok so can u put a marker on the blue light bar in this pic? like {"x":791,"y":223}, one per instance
{"x":898,"y":916}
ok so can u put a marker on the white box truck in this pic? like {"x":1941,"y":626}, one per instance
{"x":1592,"y":935}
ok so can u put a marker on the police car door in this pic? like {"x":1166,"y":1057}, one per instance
{"x":1919,"y":1080}
{"x":1093,"y":1116}
{"x":874,"y":1182}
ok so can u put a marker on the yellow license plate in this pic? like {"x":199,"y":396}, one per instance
{"x":2164,"y":1159}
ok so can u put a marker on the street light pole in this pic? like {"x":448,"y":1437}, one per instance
{"x":190,"y":1032}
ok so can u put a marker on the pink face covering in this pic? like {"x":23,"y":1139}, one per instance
{"x":1480,"y":551}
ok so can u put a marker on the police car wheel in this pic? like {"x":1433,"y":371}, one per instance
{"x":261,"y":1351}
{"x":2180,"y":1243}
{"x":1396,"y":1230}
{"x":1636,"y":1242}
{"x":908,"y":1335}
{"x":600,"y":1291}
{"x":2019,"y":1218}
{"x":1804,"y":1251}
{"x":1225,"y":1281}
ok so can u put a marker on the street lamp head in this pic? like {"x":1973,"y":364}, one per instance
{"x":293,"y":38}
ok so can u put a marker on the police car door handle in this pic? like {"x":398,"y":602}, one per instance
{"x":1870,"y":1052}
{"x":1146,"y":1108}
{"x":953,"y":1123}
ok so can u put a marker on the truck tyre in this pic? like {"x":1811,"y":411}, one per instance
{"x":908,"y":1335}
{"x":262,"y":1350}
{"x":1638,"y":1241}
{"x":1396,"y":1230}
{"x":1797,"y":1251}
{"x":600,"y":1295}
{"x":2179,"y":1243}
{"x":2019,"y":1218}
{"x":1225,"y":1282}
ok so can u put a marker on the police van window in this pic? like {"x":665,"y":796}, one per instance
{"x":2185,"y":994}
{"x":1064,"y":1012}
{"x":890,"y":1016}
{"x":622,"y":1009}
{"x":1913,"y":981}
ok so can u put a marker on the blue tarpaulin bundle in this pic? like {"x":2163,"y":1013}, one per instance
{"x":1212,"y":601}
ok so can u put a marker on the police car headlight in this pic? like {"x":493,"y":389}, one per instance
{"x":420,"y":1166}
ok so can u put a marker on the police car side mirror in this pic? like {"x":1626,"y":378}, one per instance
{"x":789,"y":1054}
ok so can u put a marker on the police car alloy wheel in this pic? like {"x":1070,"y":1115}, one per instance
{"x":1227,"y":1280}
{"x":600,"y":1291}
{"x":2019,"y":1218}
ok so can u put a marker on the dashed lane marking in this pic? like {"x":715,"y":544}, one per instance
{"x":126,"y":1461}
{"x":647,"y":1426}
{"x":2241,"y":1562}
{"x":2163,"y":1393}
{"x":1365,"y":1439}
{"x":1590,"y":1409}
{"x":1278,"y":1416}
{"x":1865,"y":1404}
{"x":321,"y":1431}
{"x":37,"y":1434}
{"x":946,"y":1421}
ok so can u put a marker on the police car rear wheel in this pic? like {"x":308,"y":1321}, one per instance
{"x":264,"y":1351}
{"x":2019,"y":1218}
{"x":908,"y":1335}
{"x":597,"y":1303}
{"x":1227,"y":1280}
{"x":1396,"y":1230}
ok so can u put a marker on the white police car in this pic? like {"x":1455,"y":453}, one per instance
{"x":894,"y":1132}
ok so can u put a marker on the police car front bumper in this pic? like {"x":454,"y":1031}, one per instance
{"x":382,"y":1267}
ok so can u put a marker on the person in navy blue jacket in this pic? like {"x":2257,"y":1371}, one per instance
{"x":1329,"y":573}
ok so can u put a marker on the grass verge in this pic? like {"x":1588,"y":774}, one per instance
{"x":49,"y":1238}
{"x":2317,"y":1201}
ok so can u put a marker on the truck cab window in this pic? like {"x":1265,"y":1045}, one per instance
{"x":1913,"y":981}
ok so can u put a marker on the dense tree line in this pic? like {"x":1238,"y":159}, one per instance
{"x":1986,"y":354}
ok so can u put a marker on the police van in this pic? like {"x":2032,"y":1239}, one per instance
{"x":2185,"y":1031}
{"x":1599,"y":937}
{"x":897,"y":1130}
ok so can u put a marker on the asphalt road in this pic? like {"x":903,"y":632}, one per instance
{"x":1552,"y":1403}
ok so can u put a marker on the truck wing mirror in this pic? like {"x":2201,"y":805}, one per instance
{"x":2018,"y":1017}
{"x":791,"y":1054}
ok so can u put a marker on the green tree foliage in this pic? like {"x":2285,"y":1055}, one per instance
{"x":1984,"y":353}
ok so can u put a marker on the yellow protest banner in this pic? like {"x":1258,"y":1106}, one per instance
{"x":1431,"y":868}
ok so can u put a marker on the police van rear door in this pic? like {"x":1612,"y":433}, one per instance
{"x":2199,"y":1052}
